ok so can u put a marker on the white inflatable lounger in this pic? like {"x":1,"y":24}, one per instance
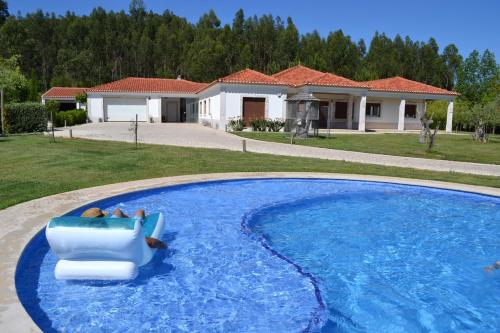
{"x":103,"y":248}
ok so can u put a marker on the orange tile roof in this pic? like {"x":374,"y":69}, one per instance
{"x":399,"y":84}
{"x":247,"y":76}
{"x":63,"y":92}
{"x":300,"y":76}
{"x":329,"y":79}
{"x":250,"y":76}
{"x":149,"y":85}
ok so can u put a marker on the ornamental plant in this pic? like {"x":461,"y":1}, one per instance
{"x":236,"y":124}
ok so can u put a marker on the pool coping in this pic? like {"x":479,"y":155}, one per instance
{"x":22,"y":227}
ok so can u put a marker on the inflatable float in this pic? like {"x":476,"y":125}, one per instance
{"x":103,"y":248}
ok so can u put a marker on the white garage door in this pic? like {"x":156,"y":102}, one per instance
{"x":125,"y":109}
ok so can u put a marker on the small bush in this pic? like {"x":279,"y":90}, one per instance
{"x":236,"y":124}
{"x":258,"y":125}
{"x":71,"y":117}
{"x":275,"y":125}
{"x":25,"y":117}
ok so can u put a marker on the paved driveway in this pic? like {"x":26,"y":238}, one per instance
{"x":195,"y":135}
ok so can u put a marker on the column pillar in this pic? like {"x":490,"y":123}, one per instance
{"x":349,"y":113}
{"x":329,"y":118}
{"x":401,"y":116}
{"x":449,"y":117}
{"x":362,"y":113}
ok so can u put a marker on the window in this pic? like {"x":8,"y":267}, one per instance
{"x":410,"y":111}
{"x":373,"y":109}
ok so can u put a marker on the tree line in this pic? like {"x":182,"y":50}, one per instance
{"x":40,"y":50}
{"x":73,"y":50}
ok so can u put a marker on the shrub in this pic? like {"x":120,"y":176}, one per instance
{"x":275,"y":125}
{"x":258,"y":125}
{"x":236,"y":124}
{"x":71,"y":117}
{"x":25,"y":117}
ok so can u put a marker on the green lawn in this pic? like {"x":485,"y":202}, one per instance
{"x":32,"y":167}
{"x":448,"y":147}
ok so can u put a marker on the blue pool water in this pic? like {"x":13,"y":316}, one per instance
{"x":288,"y":256}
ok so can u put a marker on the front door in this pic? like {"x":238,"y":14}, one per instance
{"x":253,"y":108}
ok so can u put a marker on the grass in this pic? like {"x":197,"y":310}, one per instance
{"x":33,"y":167}
{"x":447,"y":147}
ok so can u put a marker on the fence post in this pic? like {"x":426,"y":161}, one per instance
{"x":135,"y":130}
{"x":1,"y":111}
{"x":71,"y":133}
{"x":52,"y":126}
{"x":244,"y":145}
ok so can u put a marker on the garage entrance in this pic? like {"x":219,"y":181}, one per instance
{"x":125,"y":109}
{"x":253,"y":108}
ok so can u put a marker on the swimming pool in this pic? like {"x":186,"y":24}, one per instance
{"x":287,"y":255}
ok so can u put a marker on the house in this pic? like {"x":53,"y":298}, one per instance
{"x":392,"y":103}
{"x":66,"y":96}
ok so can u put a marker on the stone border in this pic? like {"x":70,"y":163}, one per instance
{"x":23,"y":221}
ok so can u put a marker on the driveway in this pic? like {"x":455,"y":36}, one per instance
{"x":195,"y":135}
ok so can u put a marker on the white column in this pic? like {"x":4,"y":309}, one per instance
{"x":449,"y":117}
{"x":401,"y":118}
{"x":362,"y":113}
{"x":222,"y":117}
{"x":349,"y":113}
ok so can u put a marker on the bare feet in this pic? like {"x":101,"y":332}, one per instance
{"x":155,"y":243}
{"x":140,"y":213}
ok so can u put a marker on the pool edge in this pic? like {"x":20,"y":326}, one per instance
{"x":22,"y":227}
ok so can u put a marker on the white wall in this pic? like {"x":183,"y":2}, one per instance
{"x":389,"y":114}
{"x":95,"y":108}
{"x":274,"y":95}
{"x":154,"y":109}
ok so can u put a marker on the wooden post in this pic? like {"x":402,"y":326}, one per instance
{"x":244,"y":145}
{"x":52,"y":126}
{"x":135,"y":130}
{"x":71,"y":133}
{"x":1,"y":110}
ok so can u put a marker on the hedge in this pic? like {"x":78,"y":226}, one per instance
{"x":72,"y":117}
{"x":25,"y":117}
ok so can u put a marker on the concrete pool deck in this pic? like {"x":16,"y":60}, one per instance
{"x":23,"y":221}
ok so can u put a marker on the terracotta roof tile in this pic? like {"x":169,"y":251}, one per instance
{"x":149,"y":85}
{"x":329,"y":79}
{"x":399,"y":84}
{"x":298,"y":75}
{"x":63,"y":92}
{"x":250,"y":76}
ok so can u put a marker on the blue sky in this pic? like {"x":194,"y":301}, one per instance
{"x":468,"y":24}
